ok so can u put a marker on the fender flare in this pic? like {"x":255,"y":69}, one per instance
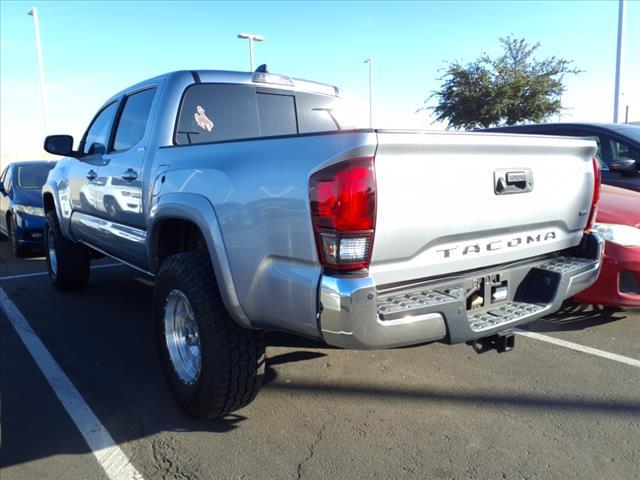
{"x":198,"y":210}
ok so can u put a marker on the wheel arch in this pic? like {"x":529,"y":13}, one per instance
{"x":51,"y":201}
{"x":182,"y":222}
{"x":48,"y":202}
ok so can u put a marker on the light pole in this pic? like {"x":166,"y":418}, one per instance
{"x":616,"y":97}
{"x":370,"y":62}
{"x":252,"y":38}
{"x":43,"y":94}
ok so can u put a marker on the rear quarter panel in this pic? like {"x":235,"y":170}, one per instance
{"x":259,"y":190}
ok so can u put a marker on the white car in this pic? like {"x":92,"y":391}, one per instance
{"x":114,"y":196}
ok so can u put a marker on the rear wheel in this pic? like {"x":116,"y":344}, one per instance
{"x":212,"y":365}
{"x":67,"y":262}
{"x":12,"y":228}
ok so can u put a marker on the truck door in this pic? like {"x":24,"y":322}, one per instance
{"x":83,"y":172}
{"x":120,"y":200}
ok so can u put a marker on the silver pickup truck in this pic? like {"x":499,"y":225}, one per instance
{"x":255,"y":207}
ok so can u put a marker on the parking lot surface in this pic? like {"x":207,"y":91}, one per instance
{"x":542,"y":411}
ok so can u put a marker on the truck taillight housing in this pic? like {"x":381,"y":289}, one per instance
{"x":343,"y":213}
{"x":597,"y":179}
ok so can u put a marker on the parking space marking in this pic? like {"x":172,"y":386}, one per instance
{"x":39,"y":274}
{"x":111,"y":458}
{"x":580,"y":348}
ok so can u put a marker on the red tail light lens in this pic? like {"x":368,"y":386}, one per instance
{"x":343,"y":211}
{"x":597,"y":179}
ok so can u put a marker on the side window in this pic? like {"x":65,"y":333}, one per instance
{"x":133,"y":120}
{"x":96,"y":138}
{"x":277,"y":115}
{"x":5,"y":179}
{"x":6,"y":182}
{"x":620,"y":150}
{"x":318,"y":113}
{"x":217,"y":112}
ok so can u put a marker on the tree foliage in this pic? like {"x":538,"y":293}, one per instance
{"x":513,"y":88}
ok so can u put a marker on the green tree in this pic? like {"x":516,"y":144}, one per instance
{"x":513,"y":88}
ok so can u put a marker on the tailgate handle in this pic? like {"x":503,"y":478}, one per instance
{"x":506,"y":181}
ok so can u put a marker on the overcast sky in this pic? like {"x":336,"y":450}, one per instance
{"x":93,"y":49}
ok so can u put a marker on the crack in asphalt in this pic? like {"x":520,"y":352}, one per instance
{"x":165,"y":453}
{"x":311,"y":448}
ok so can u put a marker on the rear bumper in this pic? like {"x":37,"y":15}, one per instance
{"x":618,"y":284}
{"x":354,"y":314}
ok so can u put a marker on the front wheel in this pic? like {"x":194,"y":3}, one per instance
{"x":67,"y":262}
{"x":212,"y":365}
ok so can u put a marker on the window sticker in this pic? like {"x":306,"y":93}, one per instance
{"x":202,"y":120}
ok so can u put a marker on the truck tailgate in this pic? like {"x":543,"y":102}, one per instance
{"x":454,"y":202}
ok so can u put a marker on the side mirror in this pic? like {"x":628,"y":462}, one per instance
{"x":60,"y":145}
{"x":2,"y":192}
{"x":623,"y":165}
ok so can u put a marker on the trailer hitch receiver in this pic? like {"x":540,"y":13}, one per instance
{"x":502,"y":342}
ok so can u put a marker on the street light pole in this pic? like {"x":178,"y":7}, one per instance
{"x":619,"y":52}
{"x":252,"y":38}
{"x":43,"y":94}
{"x":370,"y":62}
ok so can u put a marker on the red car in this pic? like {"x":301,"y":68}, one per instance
{"x":618,"y":222}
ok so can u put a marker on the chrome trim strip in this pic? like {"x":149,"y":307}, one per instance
{"x":116,"y":230}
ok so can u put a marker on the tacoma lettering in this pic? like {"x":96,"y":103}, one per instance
{"x":497,"y":244}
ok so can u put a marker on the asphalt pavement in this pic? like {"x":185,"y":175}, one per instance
{"x":542,"y":411}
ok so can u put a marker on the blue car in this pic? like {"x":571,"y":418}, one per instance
{"x":618,"y":147}
{"x":21,"y":213}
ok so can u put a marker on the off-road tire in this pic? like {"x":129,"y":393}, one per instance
{"x":232,"y":358}
{"x":73,"y":259}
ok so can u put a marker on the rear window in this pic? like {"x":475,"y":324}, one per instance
{"x":277,"y":115}
{"x":217,"y":112}
{"x":319,"y":113}
{"x":33,"y":176}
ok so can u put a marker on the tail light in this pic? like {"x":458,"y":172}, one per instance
{"x":343,"y":213}
{"x":597,"y":178}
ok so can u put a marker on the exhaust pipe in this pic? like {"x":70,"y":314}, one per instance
{"x":502,"y":342}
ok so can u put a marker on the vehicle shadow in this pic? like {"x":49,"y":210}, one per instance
{"x":278,"y":339}
{"x":109,"y":355}
{"x":577,"y":316}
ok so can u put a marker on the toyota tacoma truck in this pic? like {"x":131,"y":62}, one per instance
{"x":255,"y":207}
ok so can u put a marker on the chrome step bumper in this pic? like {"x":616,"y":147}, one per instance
{"x":353,"y":314}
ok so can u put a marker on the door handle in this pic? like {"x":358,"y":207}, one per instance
{"x":130,"y":175}
{"x":91,"y":175}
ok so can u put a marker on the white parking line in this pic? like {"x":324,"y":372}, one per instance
{"x":580,"y":348}
{"x":39,"y":274}
{"x":110,"y":457}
